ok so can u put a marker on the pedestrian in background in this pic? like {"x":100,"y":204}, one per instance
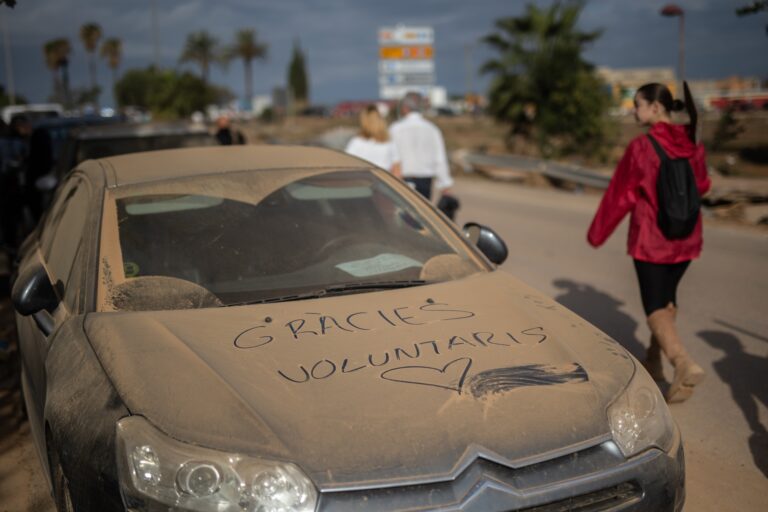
{"x":373,"y":143}
{"x":421,"y":148}
{"x":225,"y":134}
{"x":659,"y":262}
{"x":14,"y":156}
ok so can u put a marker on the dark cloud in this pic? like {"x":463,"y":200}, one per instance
{"x":339,"y":37}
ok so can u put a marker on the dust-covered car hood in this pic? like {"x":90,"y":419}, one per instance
{"x":372,"y":389}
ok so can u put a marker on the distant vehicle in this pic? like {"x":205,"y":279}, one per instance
{"x":740,"y":100}
{"x":266,"y":328}
{"x":103,"y":141}
{"x":32,"y":111}
{"x":315,"y":111}
{"x":50,"y":134}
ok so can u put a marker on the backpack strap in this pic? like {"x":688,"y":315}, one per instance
{"x":659,"y":151}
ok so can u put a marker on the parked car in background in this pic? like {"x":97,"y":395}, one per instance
{"x":103,"y":141}
{"x":254,"y":328}
{"x":32,"y":111}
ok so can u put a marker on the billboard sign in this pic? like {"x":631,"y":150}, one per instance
{"x":396,"y":92}
{"x":402,"y":35}
{"x":405,"y":52}
{"x":407,"y":79}
{"x":405,"y":61}
{"x":406,"y":66}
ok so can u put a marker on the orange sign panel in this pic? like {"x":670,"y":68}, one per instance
{"x":405,"y":52}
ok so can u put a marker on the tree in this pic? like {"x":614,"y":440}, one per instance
{"x":298,"y":82}
{"x":247,"y":47}
{"x":542,"y":87}
{"x":753,"y":8}
{"x":112,"y":50}
{"x":57,"y":59}
{"x":5,"y":100}
{"x":90,"y":33}
{"x":200,"y":48}
{"x":728,"y":128}
{"x":167,"y":93}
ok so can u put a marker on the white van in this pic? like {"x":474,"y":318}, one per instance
{"x":32,"y":111}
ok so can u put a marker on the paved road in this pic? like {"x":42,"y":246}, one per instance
{"x":723,"y":320}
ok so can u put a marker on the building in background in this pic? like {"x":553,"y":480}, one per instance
{"x":742,"y":93}
{"x":406,"y":64}
{"x":624,"y":83}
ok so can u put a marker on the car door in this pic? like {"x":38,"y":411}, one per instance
{"x":62,"y":252}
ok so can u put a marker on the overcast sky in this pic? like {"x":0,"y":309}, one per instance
{"x":339,"y":38}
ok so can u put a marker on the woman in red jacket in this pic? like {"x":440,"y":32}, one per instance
{"x":659,"y":262}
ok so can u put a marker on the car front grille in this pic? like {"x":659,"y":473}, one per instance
{"x":604,"y":499}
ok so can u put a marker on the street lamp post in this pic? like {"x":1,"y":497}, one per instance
{"x":672,"y":10}
{"x":8,"y":61}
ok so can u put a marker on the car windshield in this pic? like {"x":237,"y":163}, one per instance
{"x":269,"y":236}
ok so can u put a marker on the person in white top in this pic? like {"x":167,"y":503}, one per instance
{"x":421,"y":148}
{"x":373,"y":143}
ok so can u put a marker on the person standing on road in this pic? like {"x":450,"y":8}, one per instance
{"x":225,"y":134}
{"x":373,"y":143}
{"x":659,"y":262}
{"x":421,"y":148}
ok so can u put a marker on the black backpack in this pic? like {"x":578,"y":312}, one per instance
{"x":677,"y":195}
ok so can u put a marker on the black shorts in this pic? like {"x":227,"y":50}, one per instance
{"x":658,"y":283}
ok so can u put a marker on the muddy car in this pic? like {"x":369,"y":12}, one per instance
{"x":287,"y":328}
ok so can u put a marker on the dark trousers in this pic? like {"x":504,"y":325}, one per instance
{"x":423,"y":186}
{"x":658,"y":283}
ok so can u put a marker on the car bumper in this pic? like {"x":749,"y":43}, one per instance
{"x":596,"y":479}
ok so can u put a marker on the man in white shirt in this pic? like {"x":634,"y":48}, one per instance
{"x":421,"y":147}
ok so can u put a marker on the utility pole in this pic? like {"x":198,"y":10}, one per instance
{"x":155,"y":36}
{"x":8,"y":62}
{"x":672,"y":10}
{"x":469,"y":97}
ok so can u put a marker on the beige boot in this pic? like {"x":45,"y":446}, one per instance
{"x":687,"y":373}
{"x":652,"y":361}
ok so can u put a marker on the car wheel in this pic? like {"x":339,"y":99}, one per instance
{"x":61,"y":495}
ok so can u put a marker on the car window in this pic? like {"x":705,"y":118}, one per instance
{"x":63,"y":231}
{"x":272,"y":234}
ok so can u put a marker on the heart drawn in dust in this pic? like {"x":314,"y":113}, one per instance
{"x":451,"y":376}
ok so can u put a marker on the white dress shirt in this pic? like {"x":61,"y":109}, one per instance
{"x":422,"y":150}
{"x":382,"y":154}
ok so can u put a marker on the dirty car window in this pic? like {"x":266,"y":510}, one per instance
{"x":262,"y":236}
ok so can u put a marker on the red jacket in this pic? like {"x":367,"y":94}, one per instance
{"x":633,"y":189}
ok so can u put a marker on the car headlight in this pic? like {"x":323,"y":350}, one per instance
{"x":156,"y":470}
{"x":640,"y":418}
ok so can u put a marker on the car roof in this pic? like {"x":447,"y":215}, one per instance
{"x":160,"y":165}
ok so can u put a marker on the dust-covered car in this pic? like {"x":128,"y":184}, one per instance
{"x":288,"y":328}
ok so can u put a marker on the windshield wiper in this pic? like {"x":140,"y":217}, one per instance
{"x":336,"y":289}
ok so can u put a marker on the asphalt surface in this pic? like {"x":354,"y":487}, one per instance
{"x":723,"y":320}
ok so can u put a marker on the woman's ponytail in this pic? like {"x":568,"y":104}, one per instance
{"x":659,"y":92}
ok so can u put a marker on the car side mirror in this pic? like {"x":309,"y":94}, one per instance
{"x":487,"y":241}
{"x":33,"y":292}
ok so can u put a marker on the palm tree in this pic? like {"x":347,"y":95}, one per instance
{"x":57,"y":59}
{"x":112,"y":50}
{"x":247,"y":47}
{"x":200,"y":48}
{"x":542,"y":85}
{"x":90,"y":33}
{"x":298,"y":82}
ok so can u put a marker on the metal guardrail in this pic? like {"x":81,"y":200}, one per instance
{"x":555,"y":170}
